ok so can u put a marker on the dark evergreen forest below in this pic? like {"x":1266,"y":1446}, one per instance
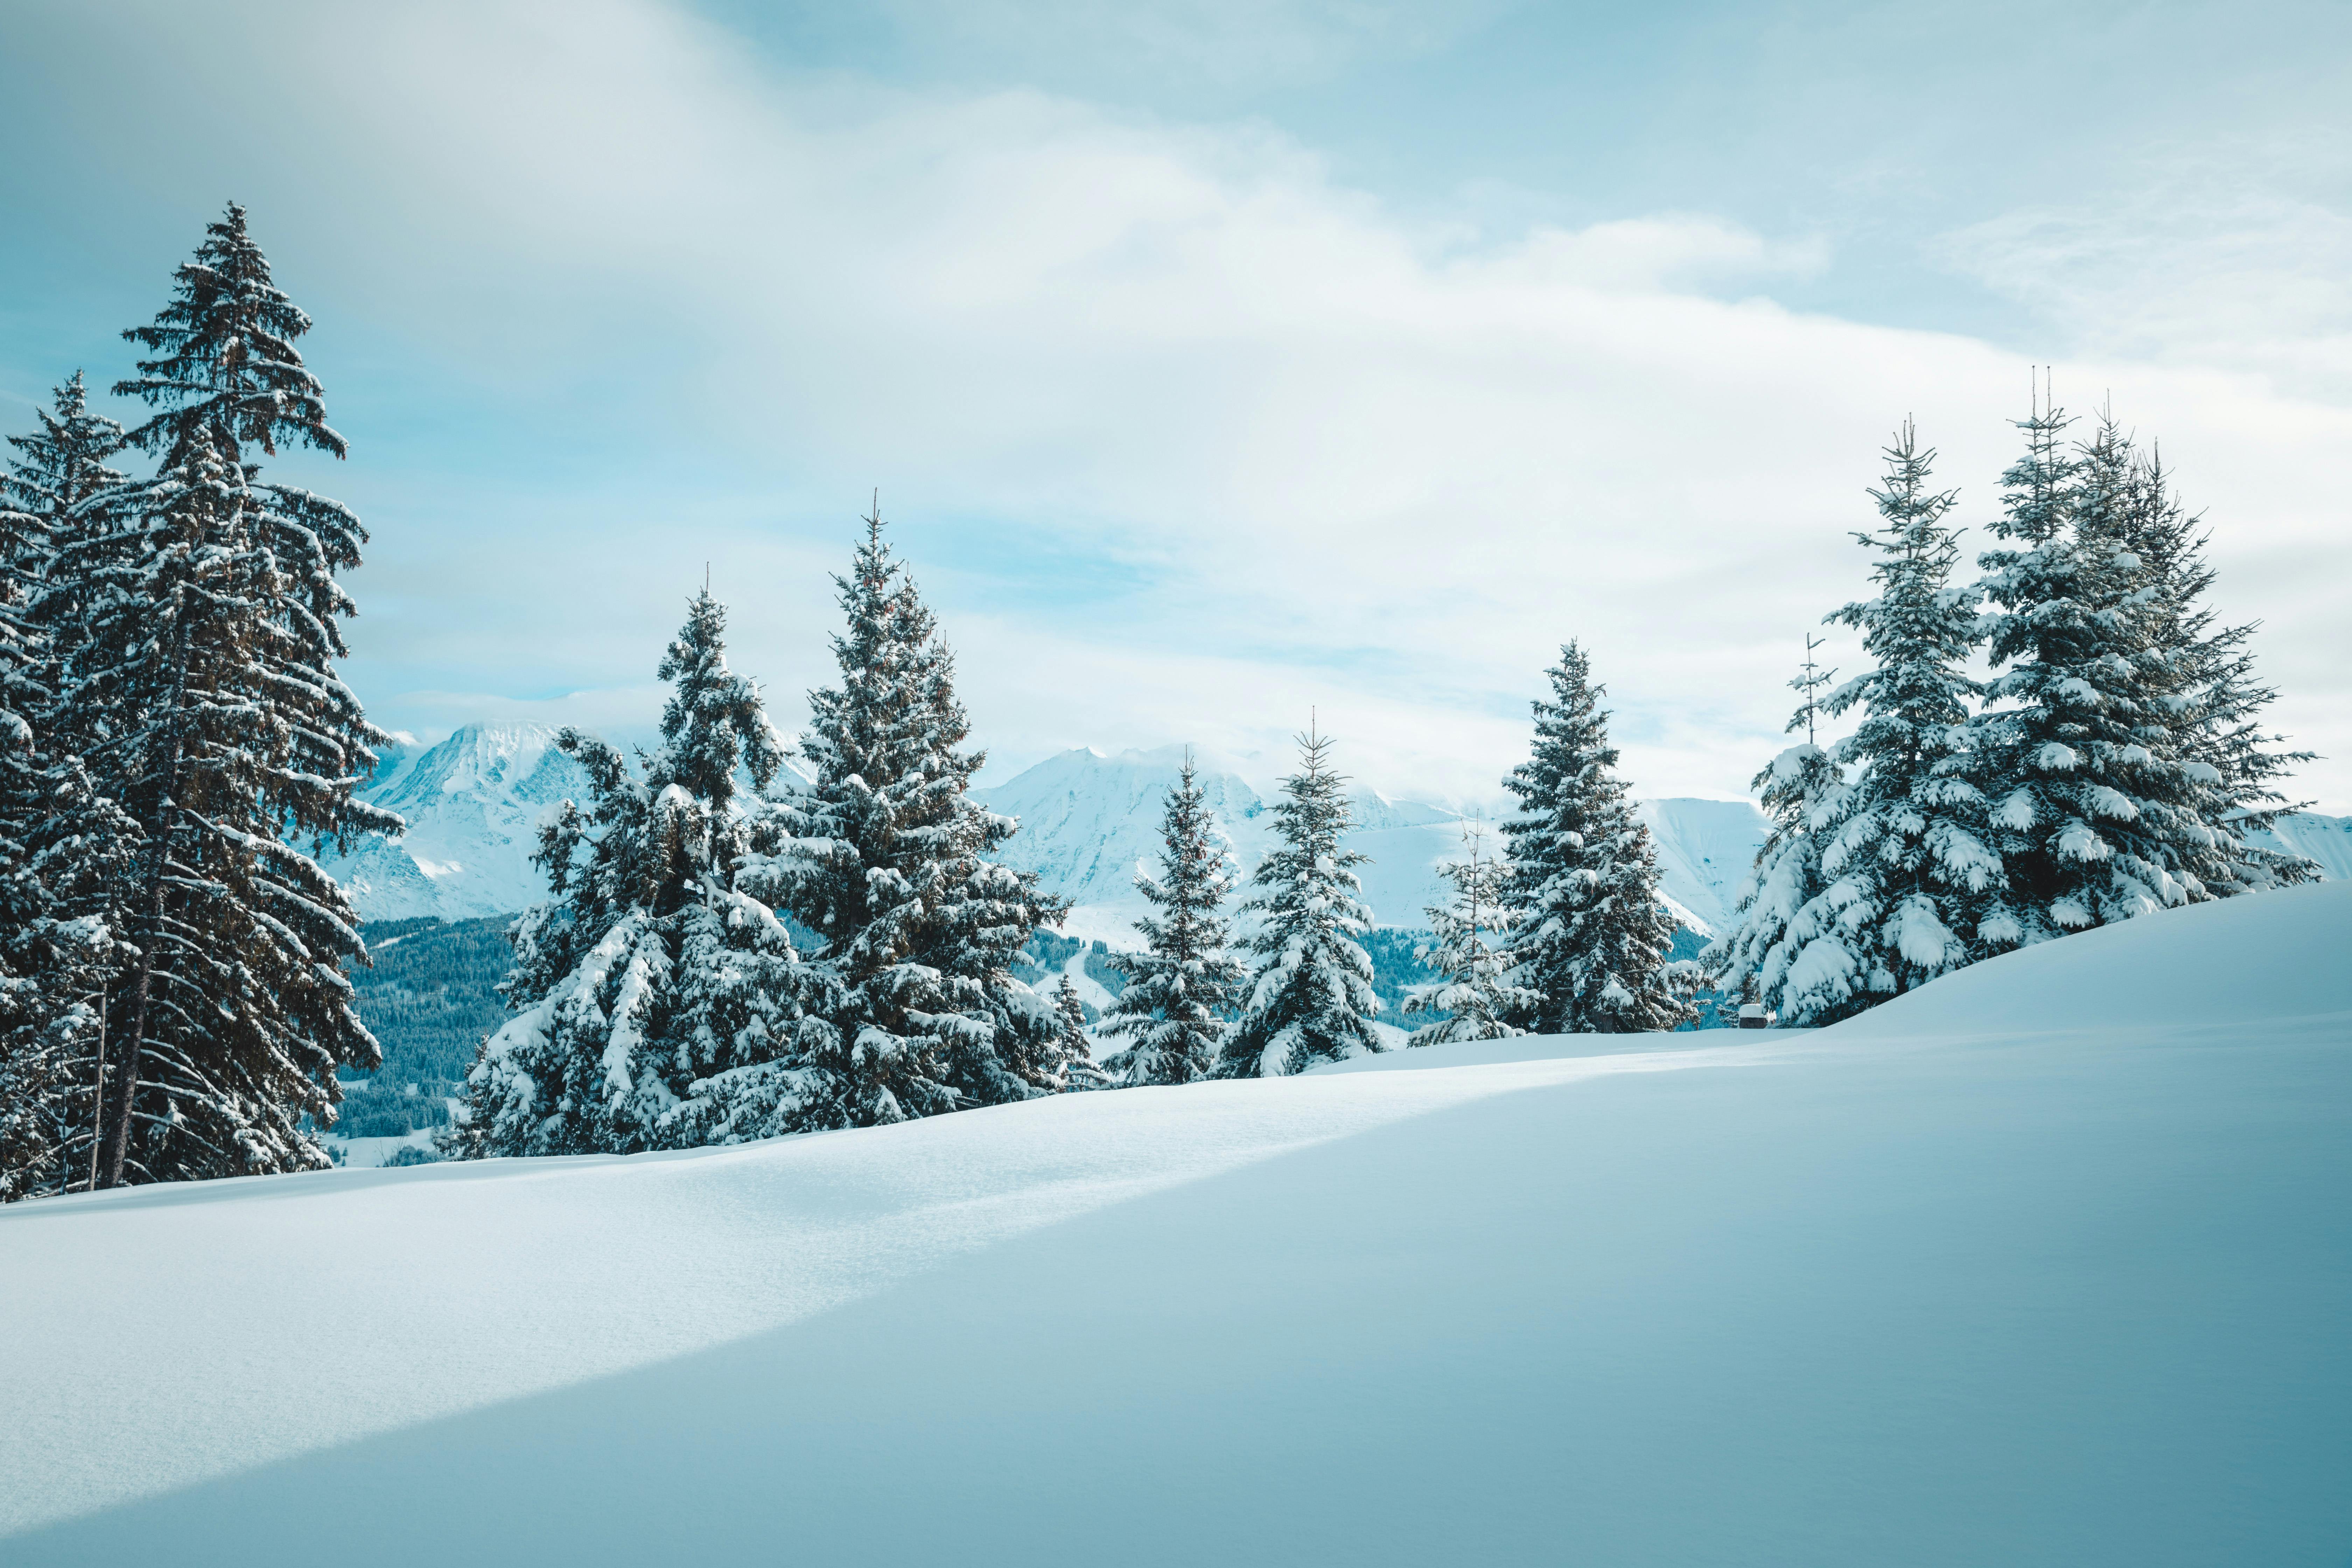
{"x":432,"y":997}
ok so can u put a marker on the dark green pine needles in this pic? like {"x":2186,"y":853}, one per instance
{"x":1592,"y":938}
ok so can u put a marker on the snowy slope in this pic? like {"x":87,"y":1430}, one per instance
{"x":1088,"y":820}
{"x":2326,"y":839}
{"x":2047,"y":1263}
{"x":1706,"y":849}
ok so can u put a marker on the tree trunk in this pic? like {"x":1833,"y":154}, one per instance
{"x":118,"y":1135}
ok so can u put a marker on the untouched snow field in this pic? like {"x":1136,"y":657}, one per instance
{"x":2050,"y":1263}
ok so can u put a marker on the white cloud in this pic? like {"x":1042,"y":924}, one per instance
{"x":1342,"y":461}
{"x":1219,"y":42}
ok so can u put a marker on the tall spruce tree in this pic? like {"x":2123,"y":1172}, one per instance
{"x":1310,"y":999}
{"x":1594,"y":944}
{"x":2095,"y":812}
{"x":1079,"y":1050}
{"x":62,"y":846}
{"x":1181,"y":988}
{"x":1781,"y":913}
{"x":194,"y":624}
{"x":888,"y":866}
{"x":1472,"y":996}
{"x":1904,"y":846}
{"x":650,"y":971}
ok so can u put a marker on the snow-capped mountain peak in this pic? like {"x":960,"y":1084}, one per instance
{"x":473,"y":803}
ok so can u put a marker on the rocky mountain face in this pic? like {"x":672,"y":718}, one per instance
{"x":473,"y":803}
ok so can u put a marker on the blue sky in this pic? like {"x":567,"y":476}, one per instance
{"x":1216,"y":361}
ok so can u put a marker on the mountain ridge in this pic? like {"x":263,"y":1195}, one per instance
{"x":1088,"y":820}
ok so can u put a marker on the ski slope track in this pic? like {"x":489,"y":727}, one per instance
{"x":2047,"y":1263}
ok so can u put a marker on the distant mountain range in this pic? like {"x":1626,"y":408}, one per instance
{"x":474,"y":803}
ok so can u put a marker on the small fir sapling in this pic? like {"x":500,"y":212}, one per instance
{"x":1310,"y":998}
{"x":1184,"y":986}
{"x":1774,"y":919}
{"x":1473,"y":997}
{"x":1592,"y":947}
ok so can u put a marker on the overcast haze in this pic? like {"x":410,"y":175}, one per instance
{"x":1216,"y":362}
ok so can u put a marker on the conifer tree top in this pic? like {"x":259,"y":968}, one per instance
{"x":224,"y":353}
{"x":63,"y":462}
{"x":2035,"y":497}
{"x":714,"y":720}
{"x":57,"y":468}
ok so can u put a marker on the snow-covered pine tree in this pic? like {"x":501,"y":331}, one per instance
{"x":194,"y":624}
{"x":62,"y":850}
{"x":1077,"y":1049}
{"x":1472,"y":995}
{"x":888,"y":867}
{"x":2094,"y":812}
{"x":2214,"y":701}
{"x":1912,"y":877}
{"x":61,"y":846}
{"x":1593,"y":939}
{"x":649,"y":972}
{"x":1181,"y":988}
{"x":1310,"y":999}
{"x":1779,"y":913}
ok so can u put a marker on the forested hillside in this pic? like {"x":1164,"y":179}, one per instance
{"x":430,"y":998}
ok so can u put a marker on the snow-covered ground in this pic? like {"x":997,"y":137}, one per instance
{"x":2049,"y":1263}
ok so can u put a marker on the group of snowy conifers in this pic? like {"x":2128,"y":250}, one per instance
{"x":1565,"y":935}
{"x":2069,"y":740}
{"x":663,"y":1002}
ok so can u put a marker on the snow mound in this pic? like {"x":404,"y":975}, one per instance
{"x":2011,"y":1271}
{"x":2250,"y":960}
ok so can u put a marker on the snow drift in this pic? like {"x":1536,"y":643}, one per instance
{"x":2046,"y":1263}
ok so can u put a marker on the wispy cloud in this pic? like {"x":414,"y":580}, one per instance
{"x":2233,"y":253}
